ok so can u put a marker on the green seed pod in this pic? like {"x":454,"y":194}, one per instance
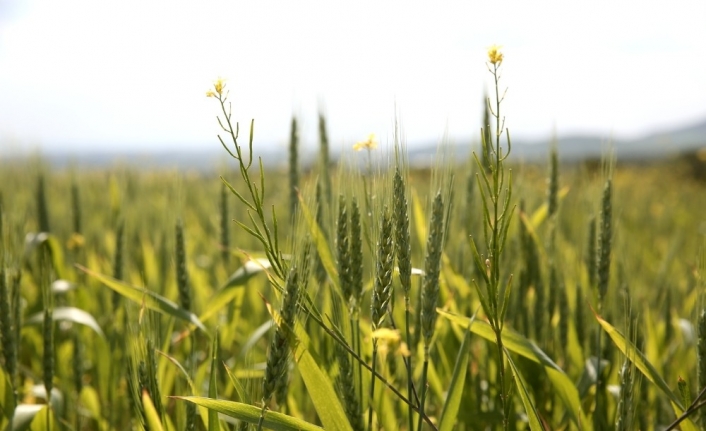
{"x":486,"y":136}
{"x":225,"y":223}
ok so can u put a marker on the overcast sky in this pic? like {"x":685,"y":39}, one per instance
{"x":125,"y":75}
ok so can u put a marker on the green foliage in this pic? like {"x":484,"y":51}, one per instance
{"x":527,"y":361}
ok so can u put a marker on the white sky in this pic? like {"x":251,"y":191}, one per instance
{"x":133,"y":74}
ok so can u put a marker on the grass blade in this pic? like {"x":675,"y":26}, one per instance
{"x":541,"y":213}
{"x":534,"y":422}
{"x":150,"y":299}
{"x":155,"y":424}
{"x":213,"y":423}
{"x":70,"y":314}
{"x":319,"y":387}
{"x":321,"y":391}
{"x":251,"y":414}
{"x":237,"y":280}
{"x":455,"y":391}
{"x":322,"y":246}
{"x":516,"y":343}
{"x":640,"y":361}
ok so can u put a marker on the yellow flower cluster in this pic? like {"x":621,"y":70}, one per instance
{"x":494,"y":54}
{"x":391,"y":341}
{"x":76,"y":241}
{"x":218,"y":87}
{"x":370,"y":144}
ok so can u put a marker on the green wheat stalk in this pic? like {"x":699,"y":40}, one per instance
{"x":293,"y":168}
{"x":182,"y":275}
{"x":430,"y":289}
{"x":382,"y":292}
{"x":276,"y":369}
{"x":603,"y":278}
{"x":42,"y":209}
{"x":403,"y":250}
{"x":224,"y":227}
{"x":496,"y":193}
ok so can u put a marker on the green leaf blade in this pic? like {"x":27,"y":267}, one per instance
{"x":251,"y":414}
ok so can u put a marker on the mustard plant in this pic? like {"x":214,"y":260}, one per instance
{"x":496,"y":193}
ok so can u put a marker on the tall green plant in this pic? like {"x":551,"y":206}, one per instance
{"x":496,"y":193}
{"x":266,"y":232}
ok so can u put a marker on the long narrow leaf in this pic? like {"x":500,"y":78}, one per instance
{"x":319,"y":386}
{"x":213,"y":424}
{"x":150,"y":299}
{"x":239,"y":389}
{"x":237,"y":280}
{"x":540,"y":214}
{"x":322,"y":246}
{"x":634,"y":355}
{"x":251,"y":414}
{"x":516,"y":343}
{"x":453,"y":399}
{"x":534,"y":422}
{"x":321,"y":392}
{"x":151,"y":412}
{"x":7,"y":396}
{"x":69,"y":314}
{"x":32,"y":241}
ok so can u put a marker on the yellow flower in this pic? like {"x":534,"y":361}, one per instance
{"x":386,"y":334}
{"x":391,"y":341}
{"x":75,"y":241}
{"x":219,"y":85}
{"x":494,"y":54}
{"x":370,"y":144}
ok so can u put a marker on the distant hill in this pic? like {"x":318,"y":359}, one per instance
{"x":571,"y":148}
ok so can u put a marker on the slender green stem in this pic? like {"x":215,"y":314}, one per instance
{"x":360,"y":363}
{"x":423,"y":388}
{"x":372,"y":387}
{"x":262,"y":416}
{"x":408,"y":363}
{"x":597,"y":420}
